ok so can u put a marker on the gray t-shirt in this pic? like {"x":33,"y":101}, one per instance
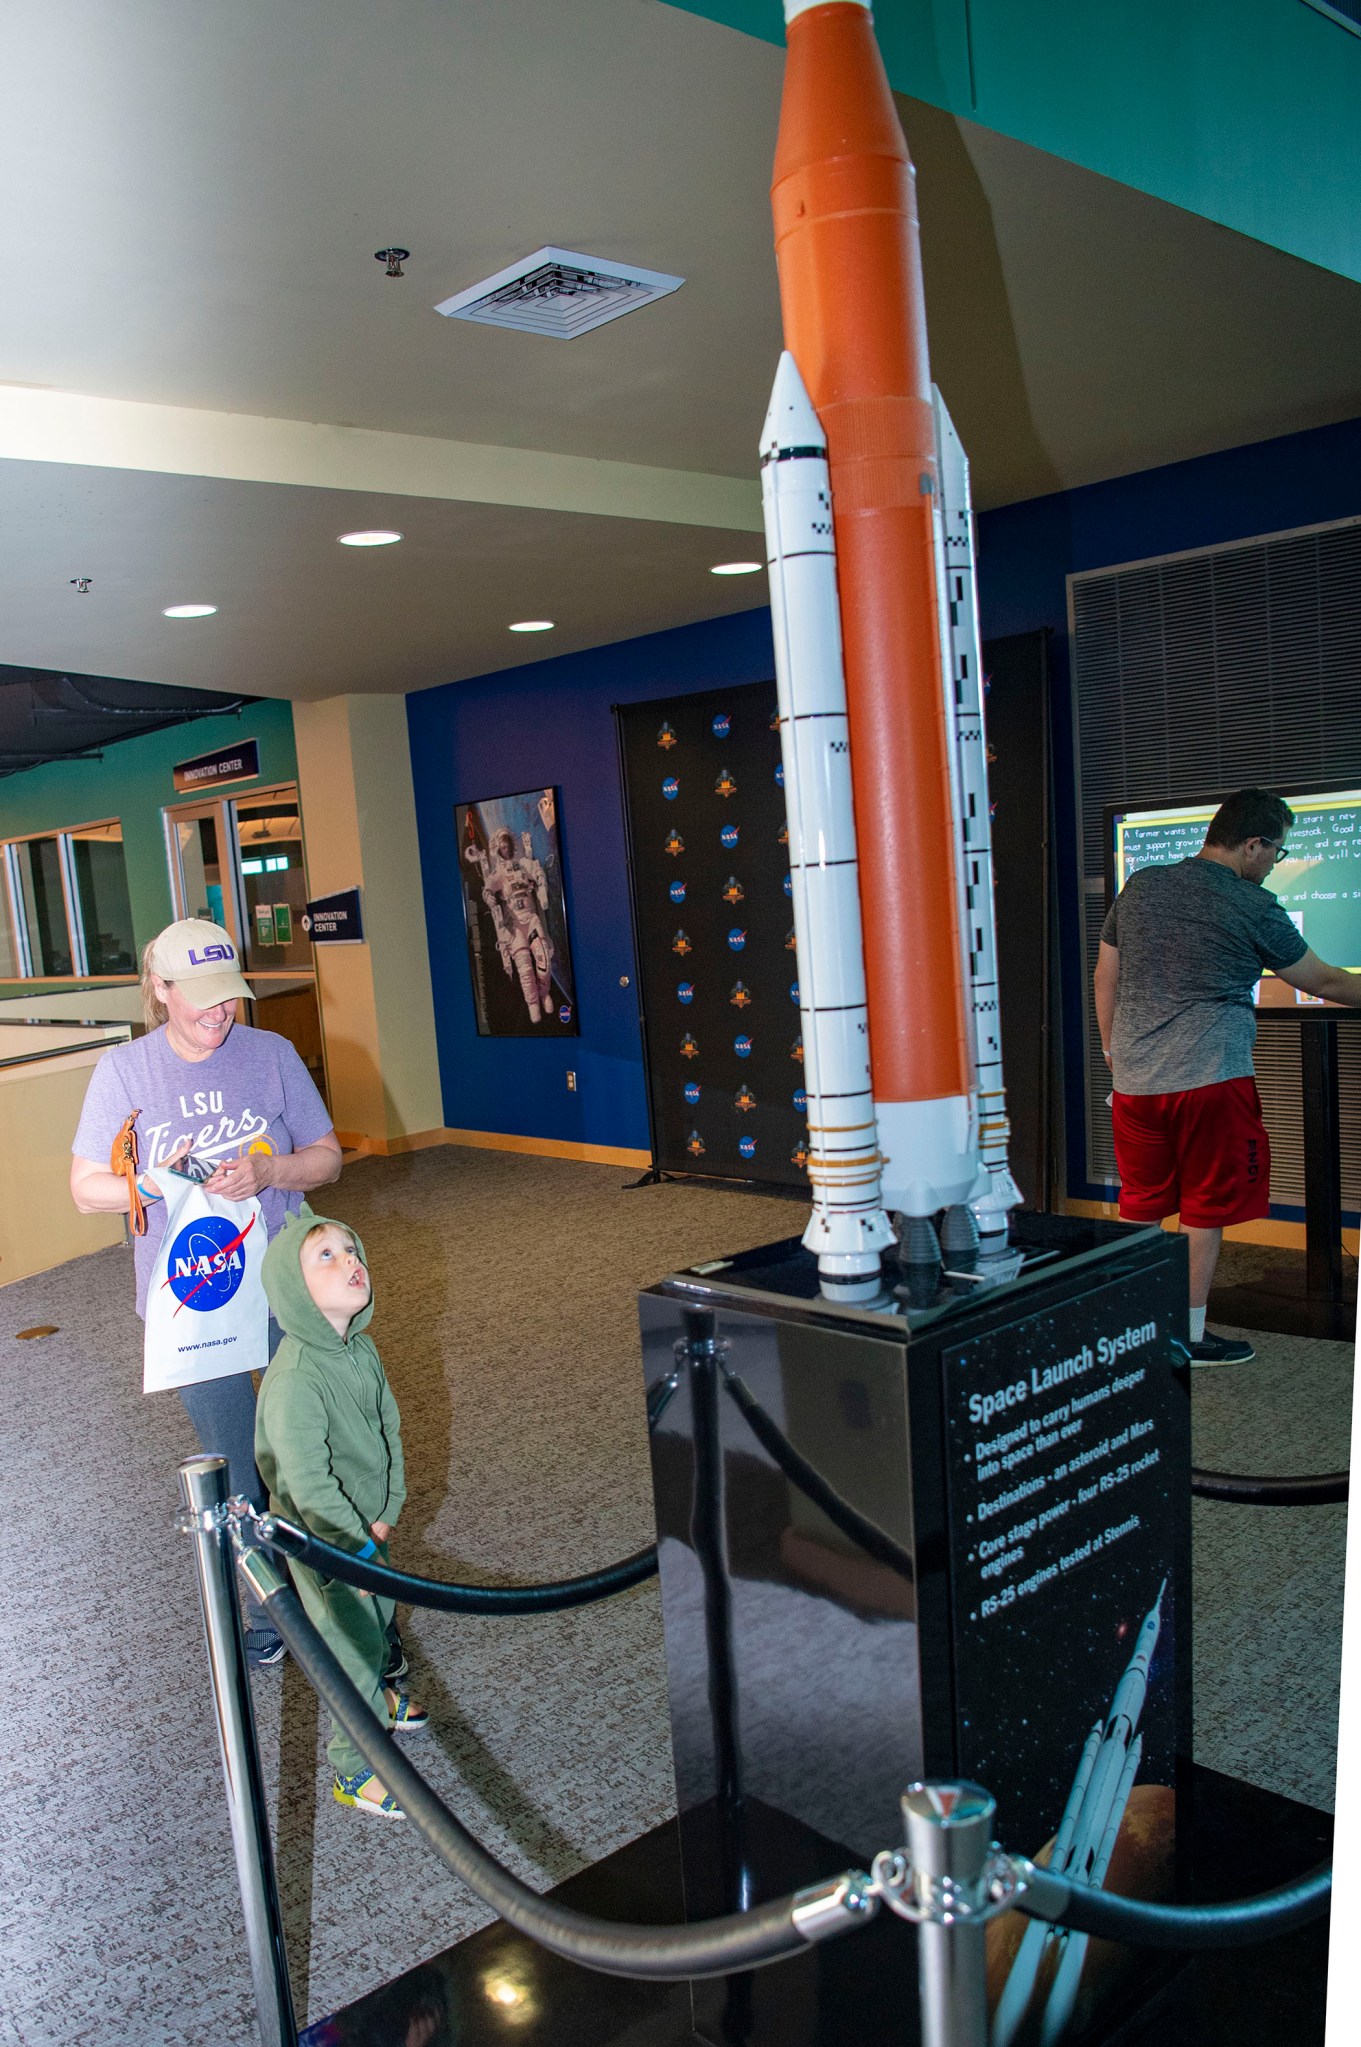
{"x":252,"y":1093}
{"x":1193,"y":941}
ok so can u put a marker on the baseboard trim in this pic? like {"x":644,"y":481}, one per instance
{"x":1283,"y":1235}
{"x":494,"y":1140}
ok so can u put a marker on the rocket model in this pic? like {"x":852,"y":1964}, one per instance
{"x":1083,"y":1846}
{"x":848,"y":1228}
{"x":995,"y":1192}
{"x":851,"y":296}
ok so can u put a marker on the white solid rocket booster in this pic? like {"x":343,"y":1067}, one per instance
{"x":995,"y":1192}
{"x":848,"y":1228}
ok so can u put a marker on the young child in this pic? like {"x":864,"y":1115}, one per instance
{"x":328,"y":1445}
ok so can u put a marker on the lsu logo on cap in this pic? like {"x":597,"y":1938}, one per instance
{"x":742,"y":1046}
{"x":686,"y":991}
{"x":720,"y":725}
{"x":747,"y":1147}
{"x":206,"y":1264}
{"x":728,"y":836}
{"x":692,"y":1092}
{"x":737,"y":938}
{"x":677,"y":892}
{"x":671,"y":788}
{"x":225,"y":953}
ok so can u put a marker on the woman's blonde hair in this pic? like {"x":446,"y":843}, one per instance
{"x":153,"y":1009}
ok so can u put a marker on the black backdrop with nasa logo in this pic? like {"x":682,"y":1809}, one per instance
{"x":718,"y":976}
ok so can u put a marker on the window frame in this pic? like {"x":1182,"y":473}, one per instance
{"x":70,"y":892}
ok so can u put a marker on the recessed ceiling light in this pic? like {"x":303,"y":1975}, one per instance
{"x":736,"y":568}
{"x":534,"y":625}
{"x":376,"y":536}
{"x":188,"y":610}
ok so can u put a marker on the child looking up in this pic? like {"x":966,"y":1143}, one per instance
{"x":329,"y":1447}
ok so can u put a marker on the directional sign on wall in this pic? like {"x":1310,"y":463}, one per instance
{"x":335,"y":920}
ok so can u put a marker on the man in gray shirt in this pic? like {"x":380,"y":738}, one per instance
{"x":1181,"y":950}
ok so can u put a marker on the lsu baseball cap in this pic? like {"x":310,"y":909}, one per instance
{"x":200,"y":958}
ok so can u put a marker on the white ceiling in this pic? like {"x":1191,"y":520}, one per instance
{"x":190,"y":198}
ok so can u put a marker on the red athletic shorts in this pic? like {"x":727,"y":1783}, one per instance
{"x":1203,"y":1153}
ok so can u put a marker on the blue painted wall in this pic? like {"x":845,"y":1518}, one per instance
{"x":551,"y":724}
{"x":1027,"y":551}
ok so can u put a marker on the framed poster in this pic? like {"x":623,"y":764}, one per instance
{"x":510,"y":865}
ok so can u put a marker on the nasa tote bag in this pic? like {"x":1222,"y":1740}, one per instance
{"x":206,"y":1313}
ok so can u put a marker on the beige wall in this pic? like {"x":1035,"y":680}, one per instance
{"x":377,"y":1011}
{"x":40,"y":1106}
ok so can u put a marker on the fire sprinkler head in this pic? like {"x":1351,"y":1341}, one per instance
{"x":394,"y":259}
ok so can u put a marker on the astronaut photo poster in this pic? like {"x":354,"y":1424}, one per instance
{"x":510,"y":865}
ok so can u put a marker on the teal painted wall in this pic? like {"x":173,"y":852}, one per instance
{"x":1245,"y":111}
{"x":133,"y":782}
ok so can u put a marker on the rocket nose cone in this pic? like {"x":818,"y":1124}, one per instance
{"x":790,"y":420}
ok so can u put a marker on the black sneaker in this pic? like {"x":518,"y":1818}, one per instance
{"x":1221,"y":1350}
{"x":264,"y":1649}
{"x":396,"y":1666}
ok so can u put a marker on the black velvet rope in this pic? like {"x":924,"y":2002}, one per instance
{"x":1321,"y":1489}
{"x":1085,"y":1910}
{"x":866,"y":1534}
{"x":714,"y":1947}
{"x":368,"y":1575}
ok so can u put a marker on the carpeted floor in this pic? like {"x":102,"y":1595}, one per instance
{"x":505,"y":1292}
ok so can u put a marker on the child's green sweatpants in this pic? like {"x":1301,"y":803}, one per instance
{"x":354,"y":1627}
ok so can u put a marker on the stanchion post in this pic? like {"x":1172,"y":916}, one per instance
{"x":949,"y":1834}
{"x":203,"y":1483}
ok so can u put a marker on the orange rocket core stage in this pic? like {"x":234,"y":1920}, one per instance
{"x":844,"y":201}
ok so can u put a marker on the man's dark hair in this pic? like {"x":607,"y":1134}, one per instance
{"x":1249,"y":814}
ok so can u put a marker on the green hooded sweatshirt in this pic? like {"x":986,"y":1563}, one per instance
{"x":327,"y":1431}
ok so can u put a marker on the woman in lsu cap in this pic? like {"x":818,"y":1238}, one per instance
{"x":240,"y":1100}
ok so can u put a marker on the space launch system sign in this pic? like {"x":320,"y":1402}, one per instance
{"x":1064,"y":1433}
{"x":714,"y":919}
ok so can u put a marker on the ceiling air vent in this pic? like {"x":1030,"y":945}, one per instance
{"x":558,"y":292}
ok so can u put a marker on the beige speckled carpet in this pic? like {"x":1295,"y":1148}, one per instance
{"x":505,"y":1290}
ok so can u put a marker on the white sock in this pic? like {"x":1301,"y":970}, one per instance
{"x":1197,"y":1324}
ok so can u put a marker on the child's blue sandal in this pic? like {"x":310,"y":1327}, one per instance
{"x":346,"y":1791}
{"x":404,"y":1715}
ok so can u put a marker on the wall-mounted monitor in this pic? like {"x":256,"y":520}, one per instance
{"x":1318,"y":883}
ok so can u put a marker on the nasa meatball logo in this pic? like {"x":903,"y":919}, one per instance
{"x":675,"y":845}
{"x":742,"y":1046}
{"x":720,"y":725}
{"x":666,"y":738}
{"x":728,"y":836}
{"x":671,"y":788}
{"x":800,"y":1099}
{"x":692,"y":1092}
{"x":206,"y":1263}
{"x":686,"y":991}
{"x":564,"y":1012}
{"x":677,"y":892}
{"x":789,"y":884}
{"x":737,"y":938}
{"x":793,"y":991}
{"x":747,"y":1147}
{"x":779,"y":774}
{"x":725,"y":785}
